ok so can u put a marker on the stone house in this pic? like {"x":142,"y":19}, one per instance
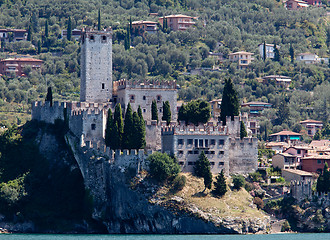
{"x":242,"y":58}
{"x":296,"y":175}
{"x":285,"y":161}
{"x":221,"y":145}
{"x":312,"y":126}
{"x":178,"y":22}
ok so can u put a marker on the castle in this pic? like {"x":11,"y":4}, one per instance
{"x":87,"y":119}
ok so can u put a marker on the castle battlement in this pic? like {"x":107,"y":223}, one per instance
{"x":201,"y":129}
{"x":146,"y":84}
{"x":244,"y":141}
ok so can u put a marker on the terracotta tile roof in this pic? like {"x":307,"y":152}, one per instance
{"x":310,"y":121}
{"x":259,"y":103}
{"x":286,"y":133}
{"x":143,"y":22}
{"x":317,"y":157}
{"x":242,"y":52}
{"x":298,"y":172}
{"x":23,"y":59}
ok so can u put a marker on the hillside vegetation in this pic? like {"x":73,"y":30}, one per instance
{"x":221,"y":26}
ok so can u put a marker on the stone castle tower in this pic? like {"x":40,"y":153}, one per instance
{"x":96,"y":66}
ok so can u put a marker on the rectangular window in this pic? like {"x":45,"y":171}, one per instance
{"x":180,"y":152}
{"x":200,"y":143}
{"x":102,"y":85}
{"x":189,"y":141}
{"x":181,"y":163}
{"x":93,"y":126}
{"x":221,"y":152}
{"x":191,"y":163}
{"x":319,"y":161}
{"x":180,"y":141}
{"x":196,"y":143}
{"x":212,"y":142}
{"x":190,"y":152}
{"x":298,"y":151}
{"x":212,"y":163}
{"x":221,"y":142}
{"x":206,"y":142}
{"x":212,"y":152}
{"x":196,"y":152}
{"x":221,"y":163}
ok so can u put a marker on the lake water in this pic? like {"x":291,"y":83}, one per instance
{"x":306,"y":236}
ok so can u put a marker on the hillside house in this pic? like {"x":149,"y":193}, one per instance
{"x":312,"y":126}
{"x":242,"y":58}
{"x":256,"y":107}
{"x":321,"y":147}
{"x":278,"y":147}
{"x":17,"y":65}
{"x":142,"y":27}
{"x":308,"y":58}
{"x":178,"y":22}
{"x":280,"y":81}
{"x":75,"y":34}
{"x":215,"y":108}
{"x":269,"y":50}
{"x":296,"y":175}
{"x":315,"y":163}
{"x":13,"y":35}
{"x":285,"y":161}
{"x":285,"y":136}
{"x":296,"y":4}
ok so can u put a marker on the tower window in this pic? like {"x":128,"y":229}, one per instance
{"x":92,"y":38}
{"x":93,"y":126}
{"x":132,"y":98}
{"x":159,"y":98}
{"x":104,"y":38}
{"x":144,"y":97}
{"x":102,"y":85}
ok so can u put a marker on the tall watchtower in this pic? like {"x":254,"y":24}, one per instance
{"x":96,"y":66}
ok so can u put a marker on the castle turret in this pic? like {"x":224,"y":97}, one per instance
{"x":96,"y":66}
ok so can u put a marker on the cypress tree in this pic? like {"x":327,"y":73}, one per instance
{"x":264,"y":50}
{"x":119,"y":126}
{"x":202,"y":169}
{"x":277,"y":56}
{"x":154,"y":111}
{"x":128,"y":128}
{"x":29,"y":36}
{"x":323,"y":181}
{"x":167,"y":112}
{"x":243,"y":132}
{"x":220,"y":184}
{"x":291,"y":50}
{"x":99,"y":20}
{"x":115,"y":137}
{"x":136,"y":131}
{"x":142,"y":130}
{"x":69,"y":30}
{"x":46,"y":29}
{"x":229,"y":104}
{"x":39,"y":47}
{"x":108,"y":129}
{"x":49,"y":96}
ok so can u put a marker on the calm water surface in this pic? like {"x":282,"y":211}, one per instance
{"x":307,"y":236}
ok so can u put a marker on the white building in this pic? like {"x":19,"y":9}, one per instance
{"x":308,"y":58}
{"x":269,"y":50}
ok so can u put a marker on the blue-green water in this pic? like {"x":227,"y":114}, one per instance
{"x":307,"y":236}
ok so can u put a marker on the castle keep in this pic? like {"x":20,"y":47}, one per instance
{"x":87,"y":119}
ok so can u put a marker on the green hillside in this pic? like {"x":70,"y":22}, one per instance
{"x":233,"y":24}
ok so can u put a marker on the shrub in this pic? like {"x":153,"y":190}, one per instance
{"x":258,"y":201}
{"x":255,"y":177}
{"x":162,"y":166}
{"x":249,"y":186}
{"x":280,"y":180}
{"x":179,"y":182}
{"x":238,"y":181}
{"x":220,"y":185}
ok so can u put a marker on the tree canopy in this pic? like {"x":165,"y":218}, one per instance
{"x":230,"y":104}
{"x":195,"y":112}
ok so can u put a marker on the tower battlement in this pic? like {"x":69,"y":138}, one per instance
{"x":145,"y":84}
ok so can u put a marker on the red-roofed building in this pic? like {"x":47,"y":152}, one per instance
{"x":178,"y":22}
{"x":296,"y":4}
{"x":242,"y":58}
{"x":285,"y":136}
{"x":312,"y":126}
{"x":256,"y":107}
{"x":13,"y":35}
{"x":17,"y":65}
{"x":315,"y":163}
{"x":140,"y":27}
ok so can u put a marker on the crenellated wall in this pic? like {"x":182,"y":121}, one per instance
{"x":42,"y":111}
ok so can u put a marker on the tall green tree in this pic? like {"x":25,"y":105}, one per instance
{"x":35,"y":22}
{"x":49,"y":96}
{"x":264,"y":51}
{"x":128,"y":128}
{"x":229,"y":104}
{"x":167,"y":112}
{"x":108,"y":128}
{"x":29,"y":34}
{"x":283,"y":112}
{"x":202,"y":169}
{"x":323,"y":181}
{"x":195,"y":112}
{"x":277,"y":56}
{"x":99,"y":20}
{"x":46,"y":29}
{"x":118,"y":129}
{"x":243,"y":132}
{"x":220,"y":184}
{"x":291,"y":51}
{"x":141,"y":130}
{"x":69,"y":30}
{"x":154,"y":111}
{"x":39,"y":47}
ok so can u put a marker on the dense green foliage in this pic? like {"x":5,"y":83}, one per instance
{"x":128,"y":128}
{"x":154,"y":111}
{"x":162,"y":166}
{"x":230,"y":103}
{"x":243,"y":132}
{"x":220,"y":184}
{"x":202,"y":169}
{"x":32,"y":188}
{"x":222,"y":26}
{"x":323,"y":181}
{"x":195,"y":112}
{"x":179,"y":182}
{"x":167,"y":112}
{"x":238,"y":181}
{"x":49,"y":96}
{"x":108,"y":128}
